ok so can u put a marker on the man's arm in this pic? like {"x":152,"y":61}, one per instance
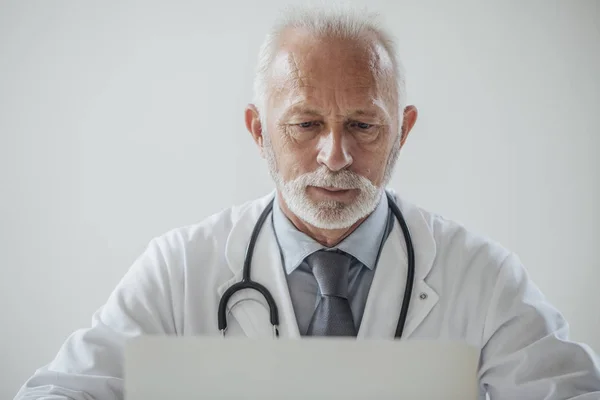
{"x":527,"y":354}
{"x":89,"y":365}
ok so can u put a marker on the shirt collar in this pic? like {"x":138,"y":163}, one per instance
{"x":363,"y":244}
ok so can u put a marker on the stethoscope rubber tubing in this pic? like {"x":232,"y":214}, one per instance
{"x":410,"y":274}
{"x":246,"y":282}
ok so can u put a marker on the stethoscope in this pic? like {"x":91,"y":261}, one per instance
{"x":248,"y":283}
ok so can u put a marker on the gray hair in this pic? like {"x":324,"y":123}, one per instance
{"x":322,"y":21}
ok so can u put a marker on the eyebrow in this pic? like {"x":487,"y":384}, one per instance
{"x":304,"y":110}
{"x":301,"y":109}
{"x":364,"y":113}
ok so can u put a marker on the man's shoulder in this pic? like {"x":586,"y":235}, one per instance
{"x":216,"y":227}
{"x":454,"y":240}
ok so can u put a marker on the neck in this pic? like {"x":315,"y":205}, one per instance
{"x":326,"y":237}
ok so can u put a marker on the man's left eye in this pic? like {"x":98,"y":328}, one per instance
{"x":361,"y":125}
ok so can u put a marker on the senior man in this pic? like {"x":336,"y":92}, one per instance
{"x":330,"y":117}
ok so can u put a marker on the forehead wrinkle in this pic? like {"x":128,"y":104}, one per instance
{"x":305,"y":85}
{"x":345,"y":76}
{"x":296,"y":76}
{"x":301,"y":106}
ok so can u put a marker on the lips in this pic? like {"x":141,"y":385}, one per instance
{"x":333,"y":189}
{"x":333,"y":193}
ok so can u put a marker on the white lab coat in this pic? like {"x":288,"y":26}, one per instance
{"x":466,"y":288}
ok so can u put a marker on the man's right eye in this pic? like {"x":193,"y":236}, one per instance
{"x":307,"y":125}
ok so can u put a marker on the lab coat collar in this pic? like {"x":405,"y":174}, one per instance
{"x":421,"y":232}
{"x":387,"y":289}
{"x":384,"y":301}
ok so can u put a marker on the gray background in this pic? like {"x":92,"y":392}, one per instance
{"x":122,"y":120}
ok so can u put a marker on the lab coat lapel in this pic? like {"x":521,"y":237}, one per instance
{"x":384,"y":301}
{"x":248,"y":307}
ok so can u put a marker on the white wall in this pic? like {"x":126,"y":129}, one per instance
{"x":119,"y":121}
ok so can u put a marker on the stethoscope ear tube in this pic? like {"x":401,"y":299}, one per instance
{"x":410,"y":275}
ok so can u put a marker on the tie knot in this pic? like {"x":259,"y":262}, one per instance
{"x":330,"y":269}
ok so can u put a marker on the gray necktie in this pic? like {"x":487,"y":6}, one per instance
{"x":333,"y":316}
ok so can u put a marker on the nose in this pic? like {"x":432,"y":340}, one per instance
{"x":334,"y":151}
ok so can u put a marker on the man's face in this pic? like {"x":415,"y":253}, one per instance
{"x":331,"y":136}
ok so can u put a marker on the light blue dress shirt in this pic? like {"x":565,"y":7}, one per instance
{"x":363,"y":244}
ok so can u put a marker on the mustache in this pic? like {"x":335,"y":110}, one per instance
{"x":323,"y":177}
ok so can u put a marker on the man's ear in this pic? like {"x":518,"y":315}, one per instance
{"x":254,"y":126}
{"x":410,"y":118}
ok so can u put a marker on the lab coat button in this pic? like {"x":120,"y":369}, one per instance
{"x":423,"y":296}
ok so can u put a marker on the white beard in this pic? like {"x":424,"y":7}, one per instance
{"x":329,"y":214}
